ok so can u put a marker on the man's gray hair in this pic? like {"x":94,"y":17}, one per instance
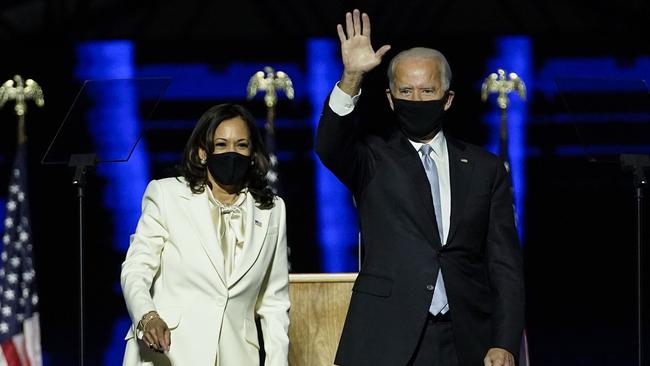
{"x":426,"y":53}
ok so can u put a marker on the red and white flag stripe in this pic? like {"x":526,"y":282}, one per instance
{"x":23,"y":349}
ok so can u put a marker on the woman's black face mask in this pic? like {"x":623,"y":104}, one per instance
{"x":229,"y":168}
{"x":420,"y":119}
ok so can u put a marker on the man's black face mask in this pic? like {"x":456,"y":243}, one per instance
{"x":420,"y":119}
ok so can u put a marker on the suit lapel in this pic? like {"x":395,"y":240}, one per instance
{"x":409,"y":160}
{"x":460,"y":174}
{"x":257,"y":223}
{"x":197,"y":208}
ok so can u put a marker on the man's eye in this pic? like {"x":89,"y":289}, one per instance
{"x":405,"y":91}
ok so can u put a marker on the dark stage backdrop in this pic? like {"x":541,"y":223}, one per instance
{"x":578,"y":227}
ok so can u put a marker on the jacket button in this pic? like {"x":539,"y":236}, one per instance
{"x":439,"y":254}
{"x":430,"y":287}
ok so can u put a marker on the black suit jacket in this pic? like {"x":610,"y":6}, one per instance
{"x":481,"y":263}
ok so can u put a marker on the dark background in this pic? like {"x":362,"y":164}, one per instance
{"x":579,"y":242}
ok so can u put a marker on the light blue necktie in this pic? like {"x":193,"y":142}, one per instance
{"x":439,"y":301}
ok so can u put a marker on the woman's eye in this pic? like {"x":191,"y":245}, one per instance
{"x":243,"y":146}
{"x":220,"y":144}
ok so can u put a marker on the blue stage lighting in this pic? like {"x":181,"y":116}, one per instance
{"x":336,"y":217}
{"x":114,"y":127}
{"x":514,"y":54}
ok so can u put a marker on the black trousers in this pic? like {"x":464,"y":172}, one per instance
{"x":436,"y":346}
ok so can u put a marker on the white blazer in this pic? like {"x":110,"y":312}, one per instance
{"x":174,"y":266}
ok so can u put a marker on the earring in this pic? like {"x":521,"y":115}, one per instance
{"x":203,"y":161}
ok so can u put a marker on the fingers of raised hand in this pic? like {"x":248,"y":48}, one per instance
{"x":349,"y":25}
{"x":356,"y":24}
{"x":339,"y":30}
{"x":382,"y":51}
{"x":366,"y":24}
{"x":356,"y":20}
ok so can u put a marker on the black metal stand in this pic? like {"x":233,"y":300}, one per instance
{"x":637,"y":164}
{"x":81,"y":163}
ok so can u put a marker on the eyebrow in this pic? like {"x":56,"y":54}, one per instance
{"x":225,"y":139}
{"x":418,"y":88}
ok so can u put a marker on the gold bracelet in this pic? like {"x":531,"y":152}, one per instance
{"x":146,"y":318}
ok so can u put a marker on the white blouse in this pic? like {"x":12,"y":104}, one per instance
{"x":229,"y":224}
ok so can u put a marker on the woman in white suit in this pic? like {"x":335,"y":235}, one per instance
{"x":209,"y":255}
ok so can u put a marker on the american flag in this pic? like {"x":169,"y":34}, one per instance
{"x":504,"y":154}
{"x":272,"y":175}
{"x":20,"y":338}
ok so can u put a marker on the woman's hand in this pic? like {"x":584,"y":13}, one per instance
{"x":157,"y":335}
{"x":499,"y":357}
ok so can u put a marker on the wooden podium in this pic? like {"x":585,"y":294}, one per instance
{"x":319,"y":303}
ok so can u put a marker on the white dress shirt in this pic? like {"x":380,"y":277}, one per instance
{"x":343,"y":104}
{"x":440,"y":156}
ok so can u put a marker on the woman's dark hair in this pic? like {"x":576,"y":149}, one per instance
{"x":202,"y":137}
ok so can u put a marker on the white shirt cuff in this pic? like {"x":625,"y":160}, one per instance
{"x":341,"y":103}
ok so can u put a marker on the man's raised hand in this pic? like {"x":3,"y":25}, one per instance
{"x":356,"y":50}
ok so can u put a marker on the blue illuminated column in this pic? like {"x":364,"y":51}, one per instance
{"x":337,"y":230}
{"x":114,"y":127}
{"x":514,"y":54}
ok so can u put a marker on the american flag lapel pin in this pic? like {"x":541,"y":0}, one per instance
{"x":258,"y":222}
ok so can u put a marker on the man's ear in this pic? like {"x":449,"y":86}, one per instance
{"x":450,"y":98}
{"x":390,"y":99}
